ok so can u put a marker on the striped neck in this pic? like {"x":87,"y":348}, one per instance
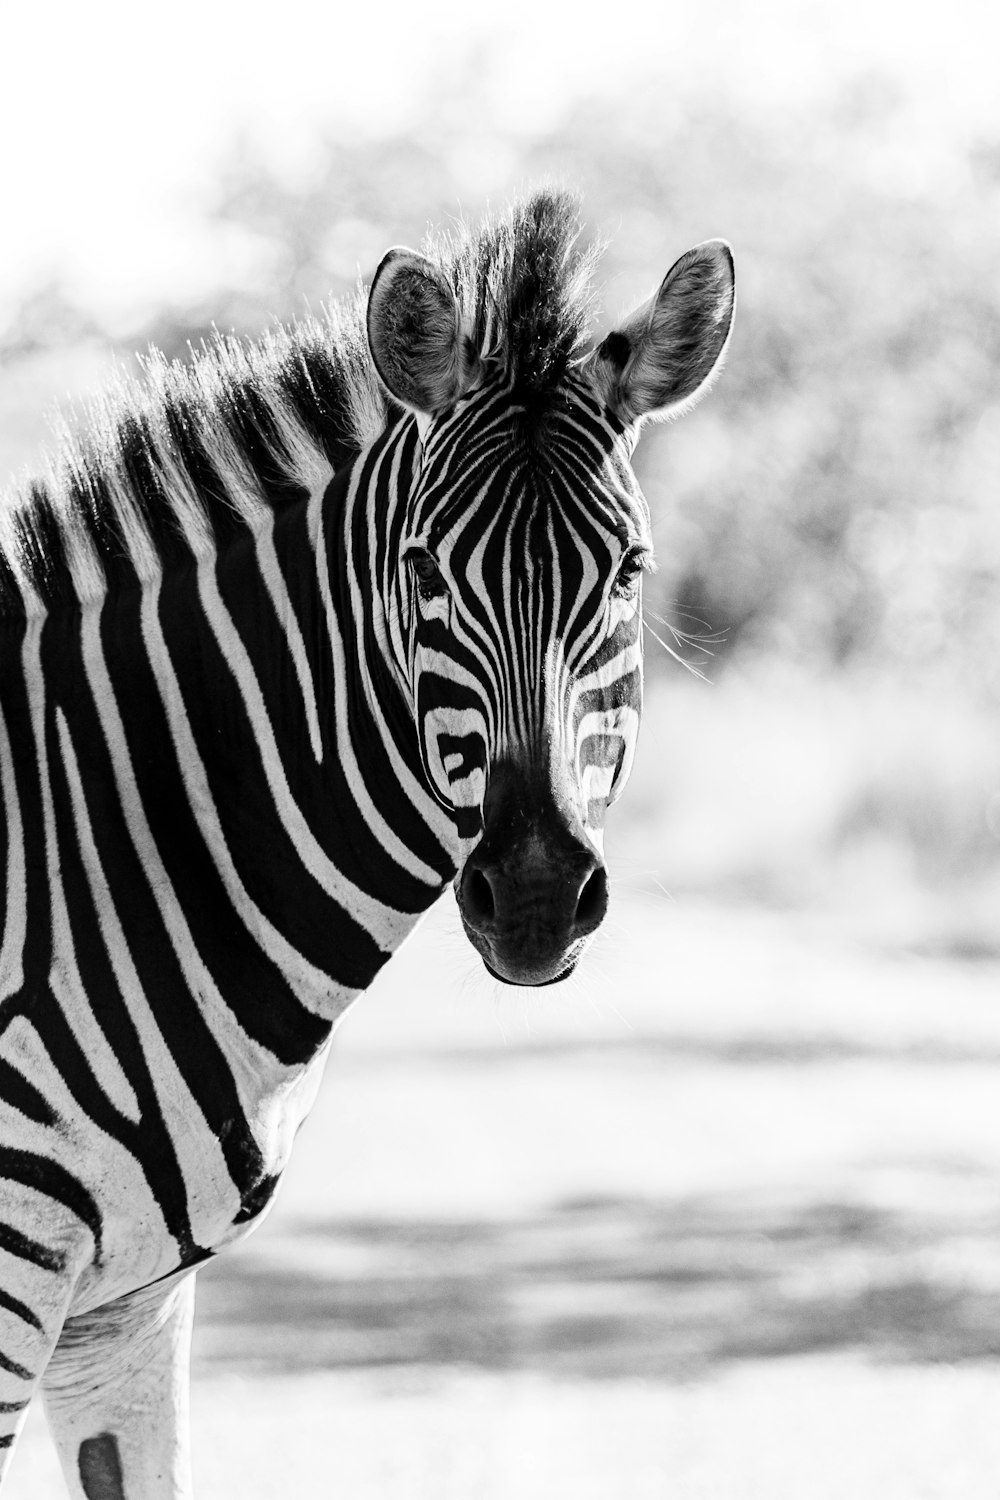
{"x":238,"y":721}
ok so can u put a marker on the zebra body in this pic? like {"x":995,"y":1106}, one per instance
{"x":304,"y":635}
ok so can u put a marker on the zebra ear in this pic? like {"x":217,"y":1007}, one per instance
{"x":666,"y":354}
{"x":415,"y":333}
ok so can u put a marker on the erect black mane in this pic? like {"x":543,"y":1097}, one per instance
{"x":524,"y":289}
{"x":242,"y":424}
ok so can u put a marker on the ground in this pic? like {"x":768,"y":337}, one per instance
{"x":720,"y":1220}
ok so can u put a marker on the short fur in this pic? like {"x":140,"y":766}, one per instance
{"x":669,"y":351}
{"x":414,"y":333}
{"x":195,"y":451}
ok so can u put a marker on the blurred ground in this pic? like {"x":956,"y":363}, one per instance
{"x":723,"y":1220}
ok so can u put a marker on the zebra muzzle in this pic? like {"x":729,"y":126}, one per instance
{"x":530,"y":895}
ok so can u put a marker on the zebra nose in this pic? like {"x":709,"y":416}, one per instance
{"x":571,"y":896}
{"x":592,"y":903}
{"x":478,"y":904}
{"x":534,"y":888}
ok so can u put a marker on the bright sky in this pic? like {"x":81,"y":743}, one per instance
{"x":113,"y":115}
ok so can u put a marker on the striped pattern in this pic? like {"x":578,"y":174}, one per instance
{"x":199,"y":878}
{"x":265,"y":637}
{"x":531,"y":651}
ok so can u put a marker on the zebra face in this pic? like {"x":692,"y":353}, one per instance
{"x":520,"y":574}
{"x":522,"y":570}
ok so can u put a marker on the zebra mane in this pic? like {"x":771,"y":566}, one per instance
{"x":524,"y":291}
{"x":193,"y":453}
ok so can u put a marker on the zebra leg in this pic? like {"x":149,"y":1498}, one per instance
{"x":116,"y":1395}
{"x":24,"y":1349}
{"x":42,"y":1252}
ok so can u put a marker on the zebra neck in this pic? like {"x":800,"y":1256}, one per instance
{"x":286,"y":711}
{"x":220,"y":745}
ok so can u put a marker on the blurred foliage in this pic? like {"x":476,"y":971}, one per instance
{"x":835,"y":500}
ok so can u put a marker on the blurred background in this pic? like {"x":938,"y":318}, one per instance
{"x":720,"y":1217}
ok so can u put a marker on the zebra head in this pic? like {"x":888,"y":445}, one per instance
{"x":521,"y":558}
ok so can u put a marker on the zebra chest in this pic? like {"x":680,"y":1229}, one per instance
{"x":209,"y":1190}
{"x":273,"y":1128}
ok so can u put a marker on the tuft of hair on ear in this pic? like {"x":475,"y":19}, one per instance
{"x":415,"y":333}
{"x":667,"y":353}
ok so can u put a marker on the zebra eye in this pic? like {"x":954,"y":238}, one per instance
{"x":428,"y":576}
{"x":626,"y":583}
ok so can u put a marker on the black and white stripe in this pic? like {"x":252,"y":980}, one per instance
{"x":272,"y":646}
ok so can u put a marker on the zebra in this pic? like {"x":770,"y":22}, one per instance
{"x":292,"y":637}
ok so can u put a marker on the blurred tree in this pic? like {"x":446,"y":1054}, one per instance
{"x":45,"y":319}
{"x":835,"y":501}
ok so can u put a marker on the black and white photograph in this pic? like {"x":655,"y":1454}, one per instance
{"x":499,"y":751}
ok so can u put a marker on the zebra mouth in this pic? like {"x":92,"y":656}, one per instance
{"x":519,"y":958}
{"x":534,"y":889}
{"x":536,"y":984}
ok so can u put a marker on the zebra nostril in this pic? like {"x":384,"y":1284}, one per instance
{"x":592,"y":903}
{"x":477,"y":899}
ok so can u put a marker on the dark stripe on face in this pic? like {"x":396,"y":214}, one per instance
{"x":529,"y":529}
